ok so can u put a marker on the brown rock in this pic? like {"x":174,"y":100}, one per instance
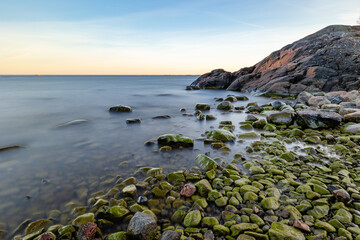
{"x":352,"y":117}
{"x":188,"y":190}
{"x":341,"y":195}
{"x":301,"y":225}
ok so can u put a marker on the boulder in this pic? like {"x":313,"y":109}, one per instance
{"x":285,"y":117}
{"x":225,"y":105}
{"x":206,"y":162}
{"x":202,"y":106}
{"x":318,"y":119}
{"x":221,"y":135}
{"x":216,"y":79}
{"x":318,"y":101}
{"x":174,"y":140}
{"x":353,"y":128}
{"x":352,"y":117}
{"x":142,"y":225}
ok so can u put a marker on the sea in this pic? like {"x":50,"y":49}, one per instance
{"x":70,"y":146}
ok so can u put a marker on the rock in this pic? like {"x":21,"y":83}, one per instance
{"x":174,"y":140}
{"x":248,"y":135}
{"x":301,"y":225}
{"x":284,"y":117}
{"x":175,"y":177}
{"x":256,"y":170}
{"x":209,"y":235}
{"x":133,"y":120}
{"x":343,"y":216}
{"x":304,"y":97}
{"x":221,"y":202}
{"x":206,"y":162}
{"x":318,"y":119}
{"x":259,"y":123}
{"x":282,"y":231}
{"x":87,"y":231}
{"x":170,"y":235}
{"x":203,"y":187}
{"x":305,"y":65}
{"x":326,"y":226}
{"x":72,"y":123}
{"x":341,"y":195}
{"x":226,"y":105}
{"x":37,"y":225}
{"x":188,"y":190}
{"x":129,"y":190}
{"x":218,"y":79}
{"x":83,"y":219}
{"x":47,"y":236}
{"x":192,"y":219}
{"x":162,"y":117}
{"x":221,"y":230}
{"x":251,"y":118}
{"x":353,"y":128}
{"x":202,"y":106}
{"x":142,"y":225}
{"x":270,"y":203}
{"x":352,"y":117}
{"x":117,"y":212}
{"x":117,"y":236}
{"x":231,"y":99}
{"x":2,"y":149}
{"x":242,"y":227}
{"x":318,"y":101}
{"x":210,"y":117}
{"x":221,"y":135}
{"x":120,"y":108}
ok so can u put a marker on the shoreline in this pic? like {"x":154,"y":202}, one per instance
{"x":276,"y":192}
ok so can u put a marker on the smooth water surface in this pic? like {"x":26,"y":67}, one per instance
{"x":61,"y":164}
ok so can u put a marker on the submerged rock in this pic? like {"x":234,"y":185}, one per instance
{"x":226,"y":105}
{"x":133,"y":120}
{"x":72,"y":123}
{"x":174,"y":140}
{"x":202,"y":106}
{"x":206,"y":162}
{"x":142,"y":225}
{"x":120,"y":108}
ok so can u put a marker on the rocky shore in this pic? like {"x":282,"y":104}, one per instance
{"x":328,"y":60}
{"x":298,"y":178}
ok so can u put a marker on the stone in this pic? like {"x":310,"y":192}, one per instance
{"x":221,"y":202}
{"x":242,"y":227}
{"x":188,"y":190}
{"x":37,"y":225}
{"x":47,"y":236}
{"x":120,"y":108}
{"x":318,"y":119}
{"x":174,"y":140}
{"x":352,"y":129}
{"x":83,"y":219}
{"x":259,"y":123}
{"x":133,"y":120}
{"x":318,"y":101}
{"x":192,"y":219}
{"x":270,"y":203}
{"x":175,"y":177}
{"x":203,"y":187}
{"x":202,"y":106}
{"x":221,"y":135}
{"x":342,"y":195}
{"x":129,"y":190}
{"x":142,"y":225}
{"x":326,"y":226}
{"x":248,"y":135}
{"x":282,"y":231}
{"x":170,"y":235}
{"x":87,"y":231}
{"x":117,"y":212}
{"x":301,"y":225}
{"x":352,"y":117}
{"x":280,"y":118}
{"x":225,"y":105}
{"x":209,"y":235}
{"x":216,"y":79}
{"x":206,"y":162}
{"x":209,"y":222}
{"x":117,"y":236}
{"x":220,"y":230}
{"x":178,"y":216}
{"x":319,"y":211}
{"x":343,"y":216}
{"x":256,"y":170}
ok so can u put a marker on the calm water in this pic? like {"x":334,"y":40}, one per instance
{"x":58,"y":165}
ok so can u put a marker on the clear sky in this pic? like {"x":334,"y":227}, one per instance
{"x":155,"y":36}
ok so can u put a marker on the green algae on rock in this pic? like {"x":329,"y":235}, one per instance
{"x":175,"y":140}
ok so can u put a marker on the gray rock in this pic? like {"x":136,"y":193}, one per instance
{"x":170,"y":235}
{"x":277,"y":104}
{"x":142,"y":225}
{"x":318,"y":119}
{"x":314,"y":64}
{"x":225,"y":105}
{"x":318,"y":101}
{"x":304,"y":97}
{"x":284,"y":117}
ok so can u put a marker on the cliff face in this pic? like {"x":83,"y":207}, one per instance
{"x":328,"y":60}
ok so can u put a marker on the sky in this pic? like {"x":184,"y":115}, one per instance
{"x":155,"y":36}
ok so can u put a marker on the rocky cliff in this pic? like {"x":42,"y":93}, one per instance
{"x":328,"y":60}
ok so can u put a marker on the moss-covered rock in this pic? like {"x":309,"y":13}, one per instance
{"x":221,"y":135}
{"x":280,"y":231}
{"x":206,"y":162}
{"x":174,"y":140}
{"x":203,"y":187}
{"x":270,"y":203}
{"x":192,"y":219}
